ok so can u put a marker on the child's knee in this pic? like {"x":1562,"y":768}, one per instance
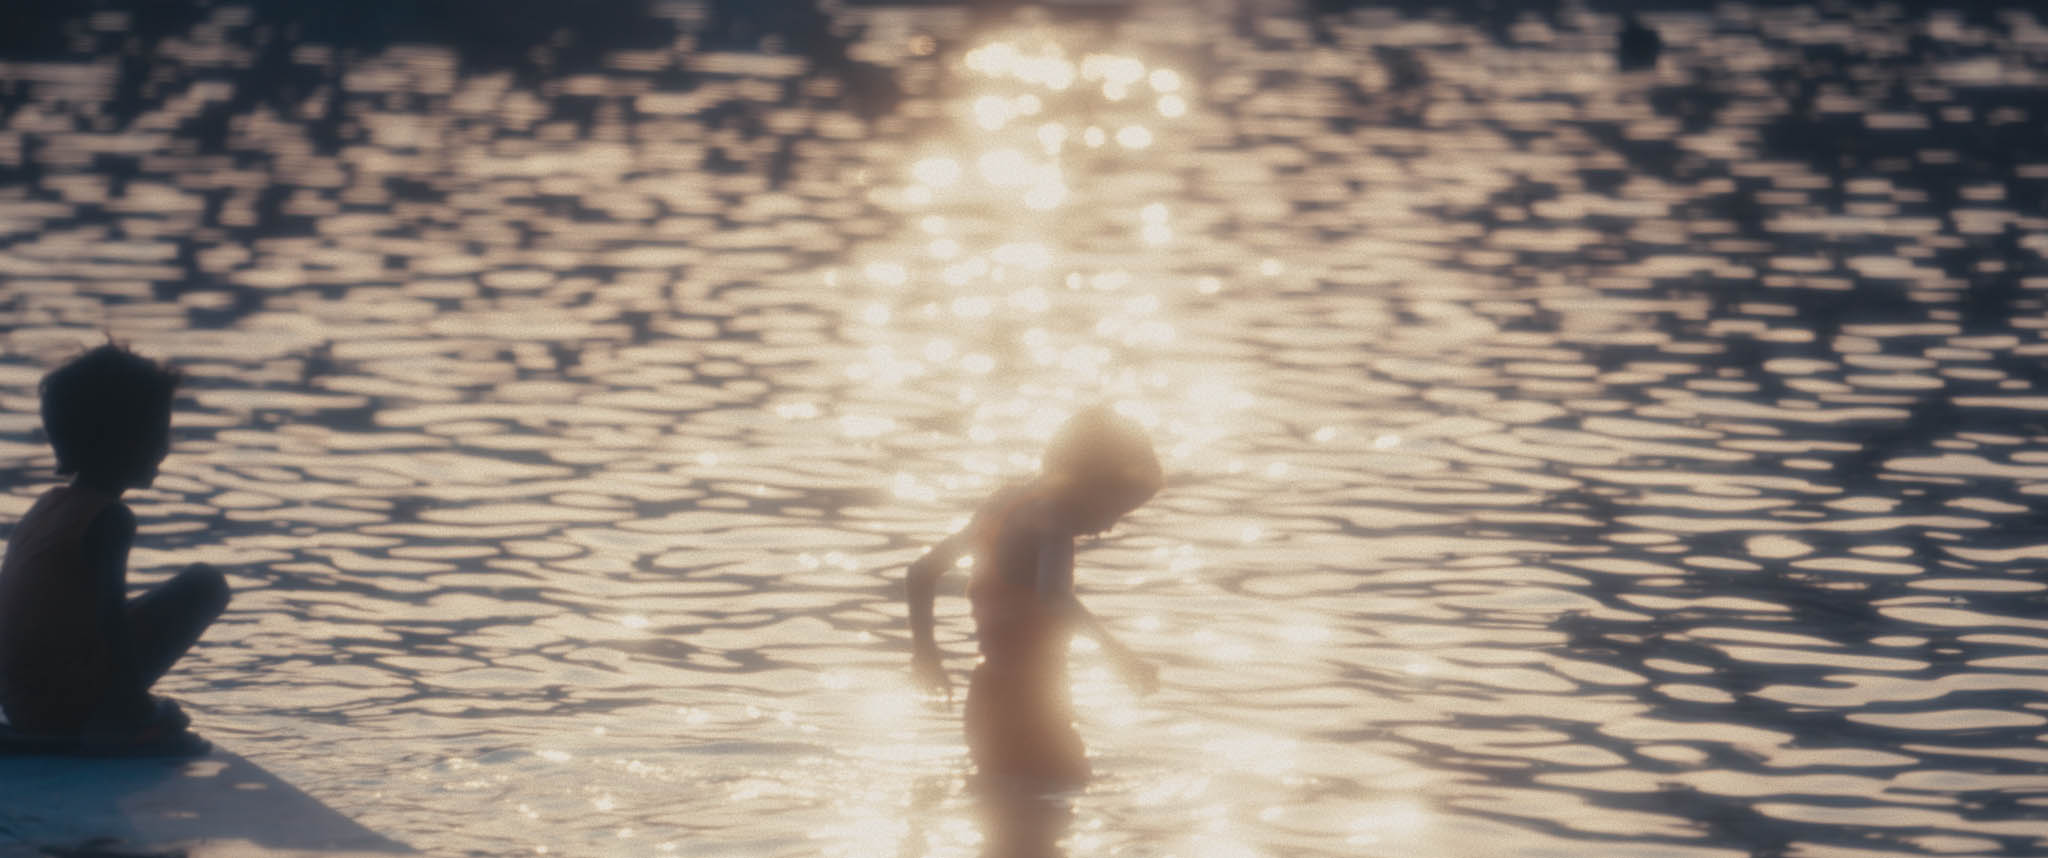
{"x":207,"y":586}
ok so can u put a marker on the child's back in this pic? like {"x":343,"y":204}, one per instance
{"x":53,"y":653}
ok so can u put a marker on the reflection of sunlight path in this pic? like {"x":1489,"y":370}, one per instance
{"x":1003,"y":298}
{"x":1005,"y":302}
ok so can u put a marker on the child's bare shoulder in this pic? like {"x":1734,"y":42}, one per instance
{"x":1018,"y":512}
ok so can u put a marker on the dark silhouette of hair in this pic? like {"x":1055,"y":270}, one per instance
{"x":105,"y":409}
{"x":1101,"y":447}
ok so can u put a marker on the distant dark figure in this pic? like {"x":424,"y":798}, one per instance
{"x":77,"y":657}
{"x":1019,"y":719}
{"x":1638,"y":45}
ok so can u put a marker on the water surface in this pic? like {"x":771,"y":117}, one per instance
{"x":1562,"y":461}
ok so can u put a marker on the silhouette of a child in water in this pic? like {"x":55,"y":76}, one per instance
{"x":1019,"y":719}
{"x":77,"y":657}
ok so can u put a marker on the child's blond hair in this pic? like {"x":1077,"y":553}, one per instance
{"x":1100,"y":448}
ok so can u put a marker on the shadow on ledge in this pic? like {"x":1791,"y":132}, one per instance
{"x":216,"y":806}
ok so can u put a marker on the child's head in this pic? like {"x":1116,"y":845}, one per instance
{"x":108,"y":416}
{"x":1107,"y":464}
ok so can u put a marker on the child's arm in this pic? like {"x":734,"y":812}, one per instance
{"x":105,"y":553}
{"x":1056,"y":585}
{"x":1140,"y":674}
{"x":921,"y":590}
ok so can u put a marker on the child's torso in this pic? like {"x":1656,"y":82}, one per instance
{"x":50,"y":635}
{"x":1015,"y":624}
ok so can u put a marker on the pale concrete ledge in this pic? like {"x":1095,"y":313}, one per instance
{"x":217,"y":806}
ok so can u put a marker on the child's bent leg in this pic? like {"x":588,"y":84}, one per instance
{"x":166,"y":621}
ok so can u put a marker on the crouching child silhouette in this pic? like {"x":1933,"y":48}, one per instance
{"x":77,"y":657}
{"x":1019,"y":718}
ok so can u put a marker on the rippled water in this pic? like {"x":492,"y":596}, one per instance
{"x":1563,"y":461}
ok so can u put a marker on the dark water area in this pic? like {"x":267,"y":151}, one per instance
{"x":1562,"y":459}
